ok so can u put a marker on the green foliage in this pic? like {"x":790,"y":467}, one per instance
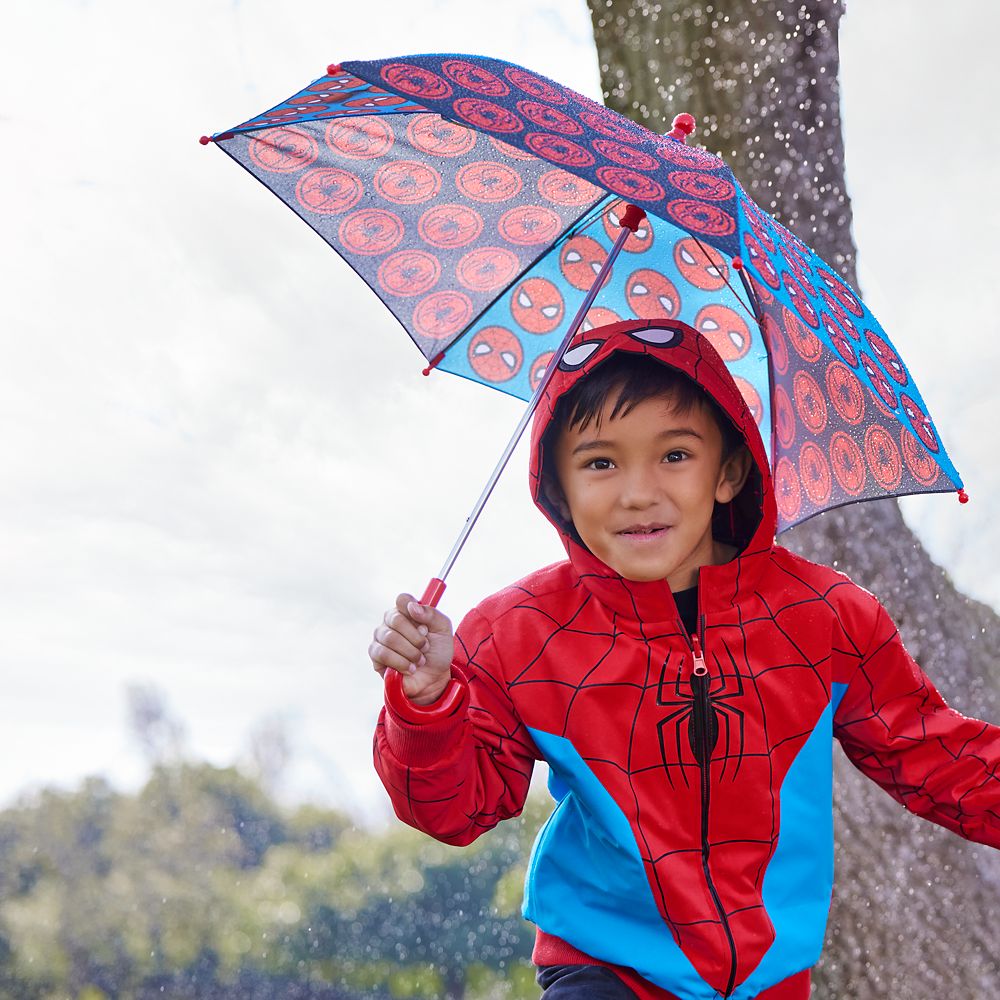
{"x":200,"y":885}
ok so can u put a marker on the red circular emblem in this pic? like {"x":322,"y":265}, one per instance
{"x":487,"y":269}
{"x":704,"y":186}
{"x":409,"y":272}
{"x":888,"y":357}
{"x":760,"y":262}
{"x":416,"y":81}
{"x":436,"y":137}
{"x":283,"y":150}
{"x":537,"y":305}
{"x":537,"y":371}
{"x":328,"y":190}
{"x":652,"y":295}
{"x":848,"y":463}
{"x":700,"y":265}
{"x":639,"y":242}
{"x":610,"y":124}
{"x":751,"y":397}
{"x":359,"y":138}
{"x":529,"y":225}
{"x":775,"y":342}
{"x":726,"y":331}
{"x":535,"y":86}
{"x":800,"y":300}
{"x":925,"y":470}
{"x":442,"y":314}
{"x":580,"y":260}
{"x":549,"y":118}
{"x":629,"y":184}
{"x":784,"y":417}
{"x":809,"y":402}
{"x":787,"y":489}
{"x":814,"y":471}
{"x":371,"y":231}
{"x":475,"y":78}
{"x":558,"y":149}
{"x":626,"y":156}
{"x":845,"y":392}
{"x":487,"y":115}
{"x":450,"y":226}
{"x":883,"y":457}
{"x":407,"y":182}
{"x":920,"y":422}
{"x":805,"y":342}
{"x":697,"y":217}
{"x":562,"y":188}
{"x":837,"y":309}
{"x":880,"y":383}
{"x":839,"y":340}
{"x":488,"y":181}
{"x":495,"y":354}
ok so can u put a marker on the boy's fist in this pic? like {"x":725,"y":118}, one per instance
{"x":417,"y":641}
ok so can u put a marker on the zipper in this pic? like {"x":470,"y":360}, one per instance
{"x":703,"y":717}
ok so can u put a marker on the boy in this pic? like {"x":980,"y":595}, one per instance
{"x":682,"y":676}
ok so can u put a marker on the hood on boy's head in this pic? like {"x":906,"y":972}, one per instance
{"x":678,"y":346}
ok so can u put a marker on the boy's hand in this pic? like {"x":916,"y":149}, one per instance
{"x":417,"y":641}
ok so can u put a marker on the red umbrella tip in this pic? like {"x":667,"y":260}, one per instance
{"x":963,"y":497}
{"x":632,"y":217}
{"x":683,"y":126}
{"x":204,"y":140}
{"x":333,"y":69}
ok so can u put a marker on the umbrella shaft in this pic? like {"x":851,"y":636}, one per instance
{"x":533,"y":403}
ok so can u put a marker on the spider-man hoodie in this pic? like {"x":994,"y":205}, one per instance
{"x":691,"y":846}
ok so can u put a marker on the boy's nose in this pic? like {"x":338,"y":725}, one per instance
{"x":639,"y":489}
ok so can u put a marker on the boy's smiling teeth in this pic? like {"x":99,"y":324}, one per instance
{"x":643,"y":529}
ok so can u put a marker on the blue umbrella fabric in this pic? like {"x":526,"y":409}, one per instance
{"x":478,"y":199}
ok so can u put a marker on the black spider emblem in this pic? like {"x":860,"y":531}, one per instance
{"x":701,"y":701}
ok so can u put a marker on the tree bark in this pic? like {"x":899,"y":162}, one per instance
{"x":914,"y":909}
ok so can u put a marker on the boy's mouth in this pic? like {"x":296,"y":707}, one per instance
{"x":640,"y":532}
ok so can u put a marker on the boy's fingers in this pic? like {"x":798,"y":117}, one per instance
{"x":393,"y":640}
{"x":384,"y":657}
{"x":397,"y":621}
{"x":430,"y":618}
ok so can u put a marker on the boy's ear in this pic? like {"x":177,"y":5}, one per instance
{"x":733,"y":474}
{"x":555,"y":496}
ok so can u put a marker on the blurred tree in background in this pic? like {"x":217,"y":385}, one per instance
{"x":914,"y":905}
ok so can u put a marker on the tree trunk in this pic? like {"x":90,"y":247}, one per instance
{"x":914,"y":910}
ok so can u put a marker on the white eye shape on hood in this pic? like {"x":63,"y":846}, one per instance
{"x":578,"y":356}
{"x":658,"y":335}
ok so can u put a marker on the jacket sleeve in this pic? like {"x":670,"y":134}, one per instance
{"x":454,"y":769}
{"x":897,"y":729}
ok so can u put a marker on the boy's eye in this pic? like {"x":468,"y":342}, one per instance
{"x":600,"y":464}
{"x":675,"y":456}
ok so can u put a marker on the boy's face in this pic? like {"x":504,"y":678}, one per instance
{"x":640,"y":488}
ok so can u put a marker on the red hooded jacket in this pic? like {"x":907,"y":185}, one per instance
{"x":691,"y":847}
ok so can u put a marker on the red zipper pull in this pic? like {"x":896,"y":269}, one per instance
{"x":699,"y":660}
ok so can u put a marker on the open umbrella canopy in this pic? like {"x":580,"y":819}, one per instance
{"x":478,"y":199}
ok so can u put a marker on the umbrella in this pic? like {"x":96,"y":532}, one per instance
{"x":481,"y":202}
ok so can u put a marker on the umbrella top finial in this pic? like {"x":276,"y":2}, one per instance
{"x":684,"y":125}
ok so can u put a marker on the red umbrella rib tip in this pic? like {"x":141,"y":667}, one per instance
{"x":205,"y":140}
{"x":333,"y":69}
{"x":963,"y":497}
{"x":683,"y":126}
{"x":433,"y":363}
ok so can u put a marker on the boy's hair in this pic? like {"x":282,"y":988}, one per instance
{"x":635,"y":378}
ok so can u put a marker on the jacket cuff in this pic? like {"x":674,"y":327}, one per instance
{"x":421,"y":735}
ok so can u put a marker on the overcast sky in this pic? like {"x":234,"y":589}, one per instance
{"x":219,"y":460}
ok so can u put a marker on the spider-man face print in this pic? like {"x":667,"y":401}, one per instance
{"x":638,"y":242}
{"x":495,"y":354}
{"x":726,"y":331}
{"x":537,"y":305}
{"x":652,"y":295}
{"x":888,"y":358}
{"x":580,"y":261}
{"x":839,"y":339}
{"x":538,"y":369}
{"x":760,"y":262}
{"x":919,"y":422}
{"x":599,"y":316}
{"x":701,"y":265}
{"x":840,"y":313}
{"x":880,"y":383}
{"x":803,"y":306}
{"x":842,"y":292}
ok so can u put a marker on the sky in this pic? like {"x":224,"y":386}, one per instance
{"x":220,"y":462}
